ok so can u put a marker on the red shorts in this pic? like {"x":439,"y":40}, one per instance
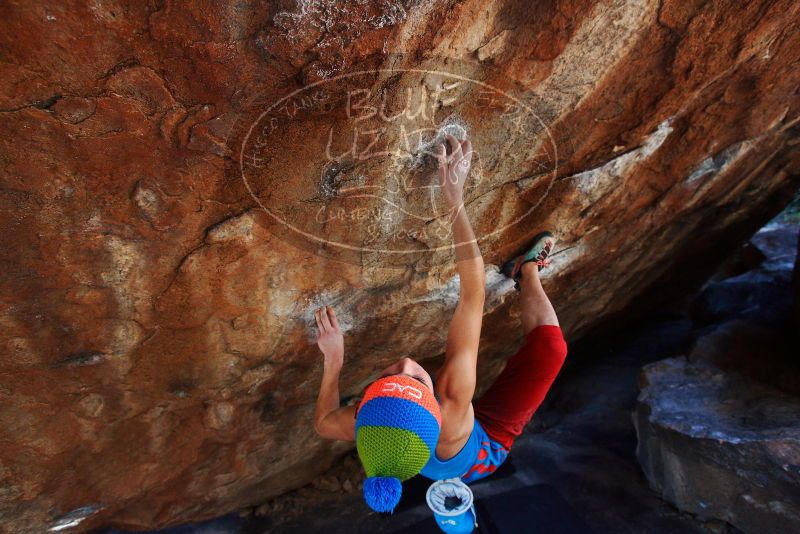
{"x":511,"y":401}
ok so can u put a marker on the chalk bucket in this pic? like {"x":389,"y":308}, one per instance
{"x":451,"y":502}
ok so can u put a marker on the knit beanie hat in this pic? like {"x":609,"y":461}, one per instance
{"x":397,"y":429}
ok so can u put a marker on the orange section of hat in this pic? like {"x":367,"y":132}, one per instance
{"x":404,"y":387}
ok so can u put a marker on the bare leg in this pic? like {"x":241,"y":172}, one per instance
{"x":536,"y":307}
{"x":509,"y":403}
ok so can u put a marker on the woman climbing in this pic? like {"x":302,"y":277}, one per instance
{"x":405,"y":424}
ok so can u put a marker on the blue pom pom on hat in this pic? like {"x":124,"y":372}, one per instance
{"x":383,"y":493}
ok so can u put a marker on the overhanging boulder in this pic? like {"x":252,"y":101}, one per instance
{"x":157,"y":365}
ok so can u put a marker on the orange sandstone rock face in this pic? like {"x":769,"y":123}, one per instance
{"x":158,"y":287}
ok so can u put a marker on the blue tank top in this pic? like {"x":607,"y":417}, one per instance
{"x":479,"y":458}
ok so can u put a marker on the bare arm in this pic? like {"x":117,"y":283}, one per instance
{"x":330,"y":420}
{"x":456,"y":380}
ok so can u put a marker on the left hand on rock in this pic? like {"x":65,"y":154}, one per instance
{"x":329,"y":337}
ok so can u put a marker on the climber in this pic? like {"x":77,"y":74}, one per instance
{"x":406,"y":423}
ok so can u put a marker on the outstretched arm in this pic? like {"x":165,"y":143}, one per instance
{"x":456,"y":380}
{"x":330,"y":420}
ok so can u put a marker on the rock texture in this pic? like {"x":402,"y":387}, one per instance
{"x":796,"y":286}
{"x":761,"y":290}
{"x":721,"y":445}
{"x":157,"y":364}
{"x":718,"y":430}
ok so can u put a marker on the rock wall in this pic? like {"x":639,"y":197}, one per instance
{"x":157,"y":292}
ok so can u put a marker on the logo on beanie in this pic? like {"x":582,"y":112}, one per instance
{"x":397,"y":429}
{"x":412,"y":391}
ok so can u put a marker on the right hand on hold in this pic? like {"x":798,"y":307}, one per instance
{"x":453,"y":169}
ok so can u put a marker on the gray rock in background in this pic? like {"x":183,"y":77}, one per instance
{"x":719,"y":430}
{"x":796,"y":285}
{"x":718,"y":445}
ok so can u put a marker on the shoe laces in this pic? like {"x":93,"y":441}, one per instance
{"x":542,"y":259}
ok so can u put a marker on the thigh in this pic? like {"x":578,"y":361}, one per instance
{"x":510,"y":402}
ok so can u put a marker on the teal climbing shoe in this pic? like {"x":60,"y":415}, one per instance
{"x":539,"y":252}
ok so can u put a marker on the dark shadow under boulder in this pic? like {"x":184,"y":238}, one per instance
{"x":719,"y":430}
